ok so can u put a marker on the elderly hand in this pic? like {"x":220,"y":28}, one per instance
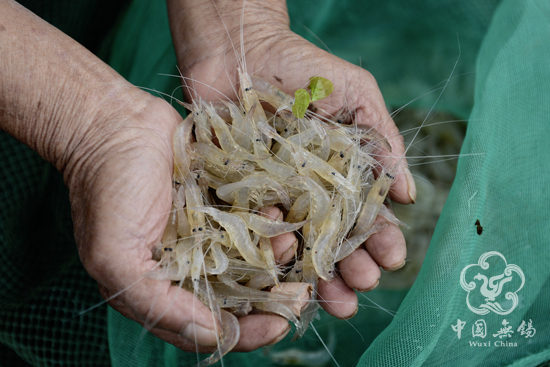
{"x":209,"y":51}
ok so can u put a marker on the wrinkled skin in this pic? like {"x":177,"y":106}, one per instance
{"x":113,"y":144}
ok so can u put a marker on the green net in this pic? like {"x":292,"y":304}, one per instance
{"x":410,"y":47}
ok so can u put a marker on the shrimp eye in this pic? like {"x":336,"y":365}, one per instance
{"x":390,"y":176}
{"x":222,"y":236}
{"x":304,"y":164}
{"x":334,"y":173}
{"x":286,"y":130}
{"x":339,"y":121}
{"x":257,"y":139}
{"x":194,"y":230}
{"x":198,"y":176}
{"x":200,"y":228}
{"x":341,"y":155}
{"x":226,"y":162}
{"x":166,"y":249}
{"x":359,"y":167}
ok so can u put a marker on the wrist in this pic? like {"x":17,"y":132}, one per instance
{"x":52,"y":87}
{"x":206,"y":29}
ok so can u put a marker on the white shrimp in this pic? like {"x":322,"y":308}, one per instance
{"x":238,"y":233}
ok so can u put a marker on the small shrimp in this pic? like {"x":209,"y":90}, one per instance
{"x":229,"y":337}
{"x":238,"y":232}
{"x":171,"y":231}
{"x":351,"y":244}
{"x":296,"y":274}
{"x":240,"y":130}
{"x":339,"y":160}
{"x":302,"y":139}
{"x":254,"y":182}
{"x":322,"y":247}
{"x":241,"y":201}
{"x":227,"y":143}
{"x":266,"y":227}
{"x":388,"y":215}
{"x":267,"y":251}
{"x":184,"y":252}
{"x":219,"y":257}
{"x":271,"y":94}
{"x":183,"y":227}
{"x":299,"y":209}
{"x":372,"y":204}
{"x":212,"y":180}
{"x":319,"y":199}
{"x":203,"y":131}
{"x":219,"y":159}
{"x":262,"y":281}
{"x":249,"y":96}
{"x":181,"y":141}
{"x":222,"y":110}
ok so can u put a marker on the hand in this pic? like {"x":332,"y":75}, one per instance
{"x":209,"y":63}
{"x":113,"y":144}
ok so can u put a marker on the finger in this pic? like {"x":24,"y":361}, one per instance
{"x":284,"y":245}
{"x":260,"y":330}
{"x":403,"y":188}
{"x":168,"y":336}
{"x":360,"y":271}
{"x":387,"y":247}
{"x":337,"y":298}
{"x":155,"y":303}
{"x":256,"y":331}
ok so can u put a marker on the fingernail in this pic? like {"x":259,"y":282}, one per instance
{"x":353,"y":314}
{"x":393,"y":268}
{"x":411,"y":186}
{"x":200,"y":335}
{"x":368,"y":289}
{"x":280,"y":337}
{"x":280,"y":217}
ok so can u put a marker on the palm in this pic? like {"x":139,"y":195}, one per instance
{"x":126,"y":199}
{"x":120,"y":208}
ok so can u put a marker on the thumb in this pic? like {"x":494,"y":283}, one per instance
{"x":157,"y":304}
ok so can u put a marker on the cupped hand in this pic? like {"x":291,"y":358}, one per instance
{"x":120,"y":193}
{"x":121,"y":198}
{"x":286,"y":60}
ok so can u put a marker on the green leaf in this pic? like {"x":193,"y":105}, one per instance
{"x":320,"y":88}
{"x":301,"y":103}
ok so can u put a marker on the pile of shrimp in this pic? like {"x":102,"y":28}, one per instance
{"x":232,"y":162}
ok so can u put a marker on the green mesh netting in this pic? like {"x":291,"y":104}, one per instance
{"x":410,"y":47}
